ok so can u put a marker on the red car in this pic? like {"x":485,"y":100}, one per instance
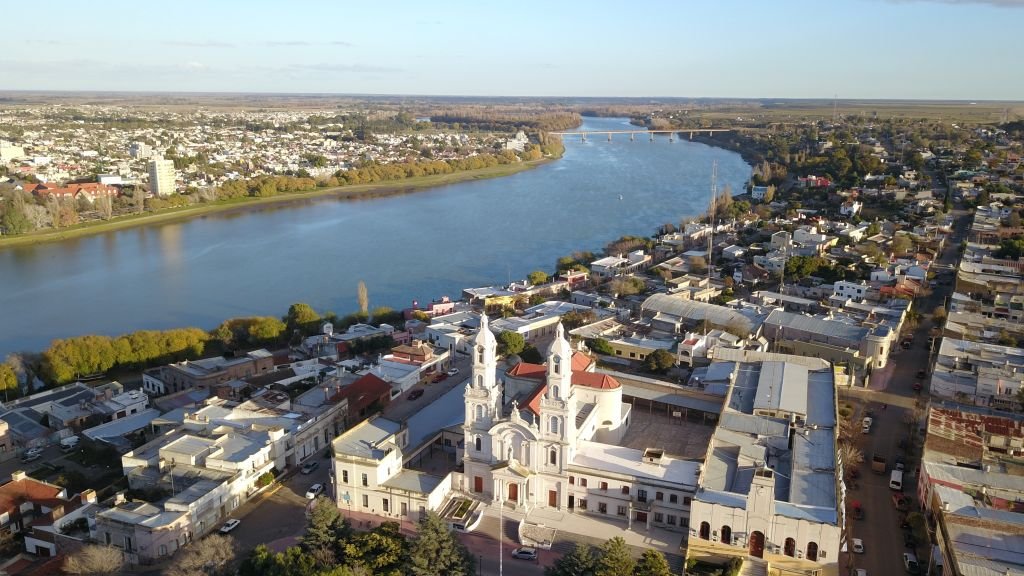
{"x":917,"y":386}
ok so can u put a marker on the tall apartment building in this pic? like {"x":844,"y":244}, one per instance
{"x":161,"y":176}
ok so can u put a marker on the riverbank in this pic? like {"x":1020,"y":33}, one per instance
{"x":355,"y":192}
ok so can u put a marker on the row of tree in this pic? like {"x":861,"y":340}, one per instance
{"x":612,"y":558}
{"x":331,"y":547}
{"x":68,"y":359}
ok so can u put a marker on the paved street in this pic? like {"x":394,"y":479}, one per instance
{"x":893,"y":400}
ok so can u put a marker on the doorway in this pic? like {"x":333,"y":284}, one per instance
{"x":513,"y":492}
{"x":757,"y":544}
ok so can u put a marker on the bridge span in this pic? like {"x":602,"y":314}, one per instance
{"x":632,"y":133}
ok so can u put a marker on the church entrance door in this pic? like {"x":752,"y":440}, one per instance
{"x":513,"y":492}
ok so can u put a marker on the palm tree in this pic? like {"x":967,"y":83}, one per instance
{"x":850,"y":455}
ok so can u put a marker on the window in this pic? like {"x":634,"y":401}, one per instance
{"x":672,"y":498}
{"x":553,"y":457}
{"x":625,"y":490}
{"x":632,"y":354}
{"x":556,"y":365}
{"x":478,"y":443}
{"x":366,"y":501}
{"x":671,"y":520}
{"x":583,"y":504}
{"x":365,"y":480}
{"x":480,"y":354}
{"x":572,"y":480}
{"x":480,"y":381}
{"x":163,"y":550}
{"x":621,"y":510}
{"x":554,"y":391}
{"x":659,"y":496}
{"x":583,"y":482}
{"x":447,"y":441}
{"x":604,"y":486}
{"x":602,"y":507}
{"x":344,"y":476}
{"x":659,"y":517}
{"x":554,"y":425}
{"x":479,"y":412}
{"x":384,"y":502}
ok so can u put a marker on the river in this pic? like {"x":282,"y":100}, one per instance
{"x":414,"y":247}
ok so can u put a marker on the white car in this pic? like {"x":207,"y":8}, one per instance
{"x":229,"y":526}
{"x":453,"y":371}
{"x":858,"y":546}
{"x":866,"y":424}
{"x":314,"y":491}
{"x":860,"y":572}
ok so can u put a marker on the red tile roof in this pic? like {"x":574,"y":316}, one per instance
{"x":527,"y":370}
{"x":17,"y":492}
{"x":594,"y":380}
{"x":581,"y":362}
{"x":364,"y":392}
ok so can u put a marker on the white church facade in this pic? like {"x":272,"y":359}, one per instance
{"x":548,"y":435}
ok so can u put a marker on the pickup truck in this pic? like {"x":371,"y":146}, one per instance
{"x":878,"y":464}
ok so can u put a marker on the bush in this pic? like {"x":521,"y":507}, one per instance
{"x":265,"y":479}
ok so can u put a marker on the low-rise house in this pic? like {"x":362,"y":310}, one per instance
{"x":145,"y":533}
{"x":206,"y":373}
{"x":612,"y":266}
{"x":44,"y":514}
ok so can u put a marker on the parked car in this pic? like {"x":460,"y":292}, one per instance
{"x":859,"y":572}
{"x":921,"y":374}
{"x":414,"y":394}
{"x":858,"y":512}
{"x":908,"y":540}
{"x":866,"y":424}
{"x":900,"y":501}
{"x":314,"y":491}
{"x":31,"y":456}
{"x":453,"y":371}
{"x":910,"y":562}
{"x":858,"y":546}
{"x":310,"y":467}
{"x":229,"y":526}
{"x":34,"y":452}
{"x":900,"y":464}
{"x":440,"y":378}
{"x":525,"y":553}
{"x":917,"y":386}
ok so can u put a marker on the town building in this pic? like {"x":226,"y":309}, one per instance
{"x":549,"y":439}
{"x":205,"y":373}
{"x":162,"y":177}
{"x":52,"y":523}
{"x":612,"y":266}
{"x":769,"y":491}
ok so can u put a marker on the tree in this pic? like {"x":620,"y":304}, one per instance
{"x":531,"y":355}
{"x":363,"y":298}
{"x":939,"y":313}
{"x":697,"y":264}
{"x":436,"y":552}
{"x":207,"y":556}
{"x":659,"y":361}
{"x":302,"y":317}
{"x":537,"y":277}
{"x":614,"y":558}
{"x":95,"y":559}
{"x":510,"y":343}
{"x":850,"y":455}
{"x":600,"y":346}
{"x":8,"y":379}
{"x":901,"y":244}
{"x":383,"y":550}
{"x":580,"y":561}
{"x":265,"y":329}
{"x":652,"y":563}
{"x":15,"y":219}
{"x":321,"y":538}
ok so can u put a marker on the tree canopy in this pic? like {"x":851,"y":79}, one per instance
{"x":303,"y":318}
{"x":510,"y":343}
{"x":436,"y":552}
{"x":537,"y":277}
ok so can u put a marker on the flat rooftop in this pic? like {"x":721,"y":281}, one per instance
{"x":365,"y":439}
{"x":629,"y":461}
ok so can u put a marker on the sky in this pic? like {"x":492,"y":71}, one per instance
{"x":886,"y":49}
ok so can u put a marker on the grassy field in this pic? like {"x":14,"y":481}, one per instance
{"x":359,"y":192}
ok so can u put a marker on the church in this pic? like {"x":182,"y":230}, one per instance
{"x":548,"y":435}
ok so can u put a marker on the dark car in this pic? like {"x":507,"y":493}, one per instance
{"x":310,"y":467}
{"x":414,"y":394}
{"x":921,"y":374}
{"x":909,"y":541}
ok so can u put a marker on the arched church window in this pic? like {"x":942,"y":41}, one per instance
{"x":478,"y":443}
{"x":480,"y":380}
{"x":479,"y":412}
{"x":554,"y":391}
{"x":554,"y":425}
{"x":480,"y":354}
{"x":553,"y":457}
{"x":556,"y":365}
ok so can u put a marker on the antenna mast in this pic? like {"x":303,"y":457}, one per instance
{"x":714,"y":202}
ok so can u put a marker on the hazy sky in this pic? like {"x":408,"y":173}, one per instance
{"x":938,"y":49}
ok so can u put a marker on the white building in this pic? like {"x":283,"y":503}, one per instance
{"x":612,"y":266}
{"x":161,"y":177}
{"x":368,"y":474}
{"x":770,"y":489}
{"x":554,"y":444}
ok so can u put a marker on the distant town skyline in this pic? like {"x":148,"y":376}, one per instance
{"x":853,"y":49}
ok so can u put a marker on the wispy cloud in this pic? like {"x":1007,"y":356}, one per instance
{"x":199,"y":43}
{"x":283,"y":43}
{"x":996,"y":3}
{"x":346,"y":68}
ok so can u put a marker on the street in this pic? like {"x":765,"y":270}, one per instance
{"x":896,"y":417}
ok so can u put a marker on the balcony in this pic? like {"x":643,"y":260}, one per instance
{"x":643,"y":505}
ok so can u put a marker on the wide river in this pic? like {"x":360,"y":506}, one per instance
{"x":414,"y":247}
